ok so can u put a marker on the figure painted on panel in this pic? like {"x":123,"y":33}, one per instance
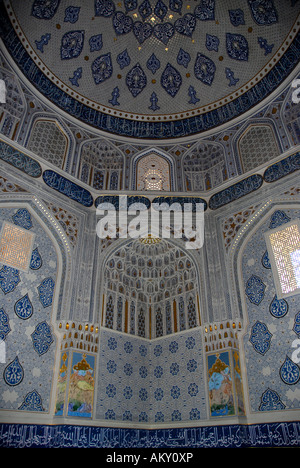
{"x":81,"y":387}
{"x":220,"y":385}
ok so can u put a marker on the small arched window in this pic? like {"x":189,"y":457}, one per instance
{"x":153,"y":173}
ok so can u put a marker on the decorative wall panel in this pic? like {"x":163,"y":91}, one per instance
{"x":268,"y":340}
{"x":25,"y":324}
{"x":168,"y":375}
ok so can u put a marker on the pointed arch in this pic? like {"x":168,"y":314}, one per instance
{"x":153,"y":170}
{"x":50,"y":140}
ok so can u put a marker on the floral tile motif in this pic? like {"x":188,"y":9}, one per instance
{"x":13,"y":373}
{"x":23,"y":308}
{"x":36,"y":260}
{"x":278,"y":307}
{"x":123,"y":59}
{"x":4,"y":324}
{"x":183,"y":58}
{"x":46,"y":291}
{"x":32,"y":402}
{"x":175,"y":5}
{"x":265,"y":260}
{"x":236,"y":17}
{"x":96,"y":43}
{"x":42,"y":338}
{"x":22,"y":218}
{"x":142,"y":31}
{"x":9,"y":279}
{"x":44,"y":9}
{"x":153,"y":63}
{"x":71,"y":44}
{"x":278,"y":218}
{"x":76,"y":76}
{"x":171,"y":80}
{"x":296,"y":327}
{"x":42,"y":42}
{"x":160,"y":9}
{"x":104,"y":8}
{"x":122,"y":24}
{"x":237,"y":46}
{"x":289,"y":372}
{"x":212,"y":42}
{"x":270,"y":401}
{"x":186,"y":25}
{"x":205,"y":11}
{"x":204,"y":69}
{"x":263,"y":11}
{"x":102,"y":68}
{"x":260,"y":337}
{"x":145,"y":9}
{"x":136,"y":80}
{"x":255,"y":290}
{"x":164,"y":32}
{"x":71,"y":14}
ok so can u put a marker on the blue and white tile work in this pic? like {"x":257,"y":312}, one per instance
{"x":229,"y":436}
{"x":25,"y":322}
{"x":273,"y":378}
{"x":142,"y":381}
{"x":95,"y":66}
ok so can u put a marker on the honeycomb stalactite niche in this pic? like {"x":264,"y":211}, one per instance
{"x":153,"y":173}
{"x":150,"y":290}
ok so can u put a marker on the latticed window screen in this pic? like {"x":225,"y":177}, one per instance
{"x":284,"y":253}
{"x":48,"y":141}
{"x":16,"y":246}
{"x":257,"y":146}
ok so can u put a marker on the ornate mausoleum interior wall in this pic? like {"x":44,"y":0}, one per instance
{"x":143,"y":342}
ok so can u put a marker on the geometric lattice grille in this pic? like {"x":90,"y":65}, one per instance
{"x":48,"y":141}
{"x":16,"y":246}
{"x":257,"y":146}
{"x":285,"y":250}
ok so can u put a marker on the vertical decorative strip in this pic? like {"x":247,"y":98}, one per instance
{"x":198,"y":303}
{"x":62,"y":384}
{"x":126,"y":317}
{"x":102,"y":318}
{"x":175,"y":316}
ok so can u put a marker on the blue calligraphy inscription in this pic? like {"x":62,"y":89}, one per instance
{"x":279,"y":434}
{"x":67,"y":188}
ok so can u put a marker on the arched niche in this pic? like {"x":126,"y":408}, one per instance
{"x":153,"y":170}
{"x":150,"y":289}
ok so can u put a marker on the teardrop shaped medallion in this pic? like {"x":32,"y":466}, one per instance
{"x":23,"y":308}
{"x":289,"y":372}
{"x":36,"y":260}
{"x":13,"y":373}
{"x":278,"y":307}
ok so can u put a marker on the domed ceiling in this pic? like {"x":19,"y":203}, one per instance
{"x":139,"y":67}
